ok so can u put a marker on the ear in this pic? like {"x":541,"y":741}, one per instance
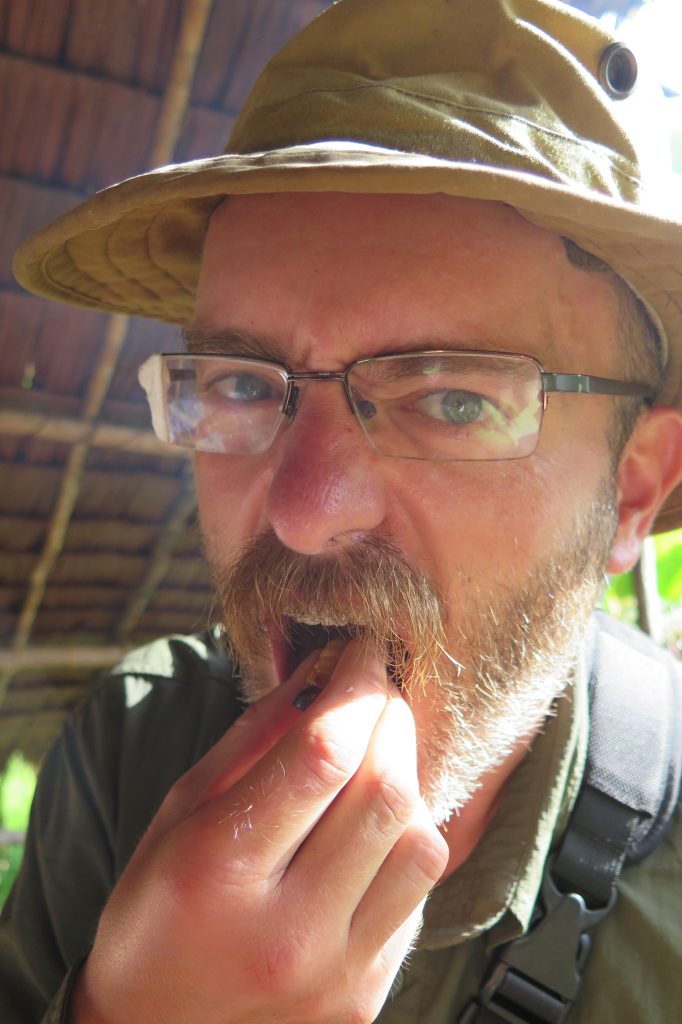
{"x":649,"y":468}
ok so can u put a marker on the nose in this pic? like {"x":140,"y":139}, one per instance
{"x":327,"y":486}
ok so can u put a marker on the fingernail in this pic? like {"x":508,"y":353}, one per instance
{"x":306,"y":696}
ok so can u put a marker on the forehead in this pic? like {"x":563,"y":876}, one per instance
{"x":352,"y":275}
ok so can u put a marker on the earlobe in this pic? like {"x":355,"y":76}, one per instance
{"x":650,"y":467}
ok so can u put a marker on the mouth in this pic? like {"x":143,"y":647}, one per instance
{"x":294,"y":639}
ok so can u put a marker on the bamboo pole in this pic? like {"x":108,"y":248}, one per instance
{"x":68,"y":430}
{"x":60,"y":657}
{"x":180,"y":79}
{"x":173,"y":111}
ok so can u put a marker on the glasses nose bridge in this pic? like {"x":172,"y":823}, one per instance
{"x":291,"y":403}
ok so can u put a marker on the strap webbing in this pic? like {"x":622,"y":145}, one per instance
{"x":625,"y":804}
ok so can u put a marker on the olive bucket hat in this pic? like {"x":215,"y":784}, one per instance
{"x":526,"y":102}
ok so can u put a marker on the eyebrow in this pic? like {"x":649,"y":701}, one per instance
{"x":232,"y":341}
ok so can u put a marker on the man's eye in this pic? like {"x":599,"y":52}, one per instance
{"x":243,"y":387}
{"x":453,"y":406}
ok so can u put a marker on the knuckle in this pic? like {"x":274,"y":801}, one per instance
{"x":328,"y":761}
{"x":393,"y":802}
{"x":428,"y":860}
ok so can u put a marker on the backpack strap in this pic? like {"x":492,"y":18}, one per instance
{"x":625,"y":804}
{"x":634,"y":762}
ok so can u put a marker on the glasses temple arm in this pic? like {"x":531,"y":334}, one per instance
{"x":583,"y":383}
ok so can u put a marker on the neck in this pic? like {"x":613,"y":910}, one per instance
{"x":465,"y":829}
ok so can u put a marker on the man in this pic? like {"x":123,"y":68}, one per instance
{"x":429,"y":231}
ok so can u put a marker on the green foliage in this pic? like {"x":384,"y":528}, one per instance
{"x":17,"y":784}
{"x":669,"y":565}
{"x":620,"y":599}
{"x":10,"y":862}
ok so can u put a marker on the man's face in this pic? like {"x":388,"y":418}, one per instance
{"x":514,"y":549}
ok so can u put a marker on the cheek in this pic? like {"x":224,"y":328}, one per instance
{"x":466,"y":523}
{"x":491,"y":524}
{"x":230,"y":493}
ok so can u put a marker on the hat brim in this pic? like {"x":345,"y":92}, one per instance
{"x":136,"y":247}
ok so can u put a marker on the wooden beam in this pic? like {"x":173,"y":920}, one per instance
{"x":60,"y":658}
{"x":50,"y":406}
{"x":113,"y":568}
{"x":73,"y":596}
{"x":40,"y":402}
{"x":67,"y":430}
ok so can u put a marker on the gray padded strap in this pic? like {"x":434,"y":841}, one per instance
{"x":634,"y":762}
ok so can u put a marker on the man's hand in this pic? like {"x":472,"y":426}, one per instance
{"x":283,"y":877}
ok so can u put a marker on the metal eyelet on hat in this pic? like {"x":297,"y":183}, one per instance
{"x":618,"y":71}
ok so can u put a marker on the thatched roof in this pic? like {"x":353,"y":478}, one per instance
{"x":98,"y":542}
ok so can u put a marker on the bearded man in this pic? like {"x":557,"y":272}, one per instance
{"x":434,"y":333}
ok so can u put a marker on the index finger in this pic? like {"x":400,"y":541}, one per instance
{"x":247,"y":740}
{"x":274,"y":806}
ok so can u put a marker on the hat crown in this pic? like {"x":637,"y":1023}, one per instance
{"x":513,"y":84}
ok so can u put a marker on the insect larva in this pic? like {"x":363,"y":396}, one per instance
{"x":322,"y":670}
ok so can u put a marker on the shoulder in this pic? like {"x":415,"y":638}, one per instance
{"x":177,"y":658}
{"x":184,"y":671}
{"x":180,"y":686}
{"x":170,"y":656}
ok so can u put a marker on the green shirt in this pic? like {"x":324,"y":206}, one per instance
{"x":166,"y":704}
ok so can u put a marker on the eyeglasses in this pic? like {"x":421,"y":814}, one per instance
{"x":441,"y":405}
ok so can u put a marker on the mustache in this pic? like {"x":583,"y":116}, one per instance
{"x":367,"y":588}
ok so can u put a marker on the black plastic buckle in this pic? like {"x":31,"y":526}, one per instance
{"x":536,"y":978}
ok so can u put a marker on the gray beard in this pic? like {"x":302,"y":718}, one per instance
{"x":493,"y":667}
{"x":520,"y":657}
